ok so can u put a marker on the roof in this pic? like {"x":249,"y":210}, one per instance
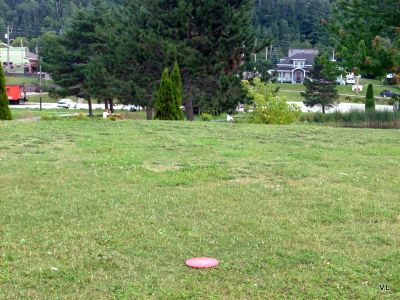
{"x":307,"y":55}
{"x":283,"y":68}
{"x":31,"y":56}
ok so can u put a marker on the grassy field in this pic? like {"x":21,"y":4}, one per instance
{"x":28,"y":113}
{"x":111,"y":210}
{"x":292,"y":91}
{"x":27,"y":80}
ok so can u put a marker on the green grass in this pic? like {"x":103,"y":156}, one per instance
{"x":27,"y":80}
{"x":27,"y":113}
{"x":111,"y":210}
{"x":35,"y":98}
{"x":292,"y":91}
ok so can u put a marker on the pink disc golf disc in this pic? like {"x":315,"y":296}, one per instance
{"x":202,"y":262}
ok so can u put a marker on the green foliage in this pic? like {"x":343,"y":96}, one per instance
{"x":207,"y":39}
{"x":356,"y":118}
{"x":268,"y":107}
{"x":205,"y":117}
{"x":292,"y":23}
{"x":18,"y":41}
{"x":165,"y":105}
{"x":5,"y":113}
{"x":31,"y":17}
{"x":369,"y":98}
{"x":46,"y":117}
{"x":177,"y":91}
{"x":321,"y":88}
{"x":81,"y":71}
{"x":368,"y":36}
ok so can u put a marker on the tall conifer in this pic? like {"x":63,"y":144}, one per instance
{"x":177,"y":91}
{"x":165,"y":101}
{"x":5,"y":113}
{"x":369,"y":98}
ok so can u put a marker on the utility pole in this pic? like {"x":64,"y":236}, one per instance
{"x":8,"y":46}
{"x":255,"y":52}
{"x":40,"y":79}
{"x":266,"y":52}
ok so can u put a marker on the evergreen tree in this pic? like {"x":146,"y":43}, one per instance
{"x":369,"y":98}
{"x":72,"y":58}
{"x":165,"y":103}
{"x":368,"y":35}
{"x":177,"y":91}
{"x":5,"y":113}
{"x":292,"y":23}
{"x":207,"y":38}
{"x":321,"y":88}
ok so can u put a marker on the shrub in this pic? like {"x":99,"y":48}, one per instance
{"x":269,"y":108}
{"x":46,"y":117}
{"x":369,"y":98}
{"x":80,"y":116}
{"x":166,"y":107}
{"x":205,"y":117}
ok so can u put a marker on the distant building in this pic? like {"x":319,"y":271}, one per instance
{"x":19,"y":57}
{"x":295,"y":66}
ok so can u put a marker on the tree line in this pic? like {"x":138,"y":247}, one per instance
{"x":119,"y":52}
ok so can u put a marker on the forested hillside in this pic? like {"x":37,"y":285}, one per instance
{"x":288,"y":23}
{"x":28,"y":18}
{"x":292,"y":23}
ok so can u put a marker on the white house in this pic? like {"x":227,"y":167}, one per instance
{"x":294,"y":68}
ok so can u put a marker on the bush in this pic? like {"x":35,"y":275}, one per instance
{"x":80,"y":116}
{"x":205,"y":117}
{"x":348,"y":99}
{"x":269,"y":108}
{"x":46,"y":117}
{"x":166,"y":106}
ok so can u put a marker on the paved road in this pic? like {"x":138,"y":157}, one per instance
{"x":79,"y":106}
{"x":342,"y":107}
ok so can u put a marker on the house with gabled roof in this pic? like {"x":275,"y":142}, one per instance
{"x":294,"y":67}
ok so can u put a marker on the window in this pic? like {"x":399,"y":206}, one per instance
{"x":298,"y":63}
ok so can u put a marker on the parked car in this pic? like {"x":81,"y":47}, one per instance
{"x":387,"y":93}
{"x":67,"y":103}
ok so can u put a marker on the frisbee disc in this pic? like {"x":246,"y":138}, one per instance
{"x":202,"y":262}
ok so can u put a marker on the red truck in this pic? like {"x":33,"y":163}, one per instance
{"x":16,"y":94}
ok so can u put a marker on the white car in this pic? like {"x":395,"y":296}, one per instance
{"x":67,"y":103}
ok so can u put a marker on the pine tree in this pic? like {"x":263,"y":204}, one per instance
{"x":321,"y":88}
{"x":207,"y":39}
{"x":367,"y":35}
{"x":5,"y":113}
{"x":369,"y":98}
{"x":165,"y":102}
{"x":177,"y":90}
{"x":70,"y":57}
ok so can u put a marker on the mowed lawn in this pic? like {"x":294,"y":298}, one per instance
{"x":111,"y":210}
